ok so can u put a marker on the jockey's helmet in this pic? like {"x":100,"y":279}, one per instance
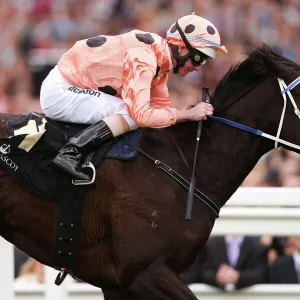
{"x":197,"y":34}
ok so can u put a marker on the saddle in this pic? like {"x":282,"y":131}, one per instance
{"x":34,"y":140}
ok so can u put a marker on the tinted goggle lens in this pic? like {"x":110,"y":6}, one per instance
{"x":198,"y":59}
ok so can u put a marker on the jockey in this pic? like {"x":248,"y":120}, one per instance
{"x":119,"y":83}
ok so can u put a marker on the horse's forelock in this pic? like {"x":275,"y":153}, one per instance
{"x":275,"y":63}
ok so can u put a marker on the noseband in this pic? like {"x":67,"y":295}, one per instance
{"x":285,"y":90}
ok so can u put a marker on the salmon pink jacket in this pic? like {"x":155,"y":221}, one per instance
{"x":133,"y":66}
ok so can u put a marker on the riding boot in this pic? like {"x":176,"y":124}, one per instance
{"x":90,"y":139}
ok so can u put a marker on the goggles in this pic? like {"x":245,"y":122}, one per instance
{"x":198,"y":58}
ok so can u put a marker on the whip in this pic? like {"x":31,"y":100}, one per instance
{"x":190,"y":199}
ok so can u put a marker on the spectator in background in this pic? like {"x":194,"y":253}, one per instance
{"x":264,"y":176}
{"x":30,"y":272}
{"x":277,"y":246}
{"x":286,"y":269}
{"x":234,"y":262}
{"x":20,"y":258}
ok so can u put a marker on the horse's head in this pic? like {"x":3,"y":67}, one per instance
{"x":250,"y":93}
{"x":286,"y":71}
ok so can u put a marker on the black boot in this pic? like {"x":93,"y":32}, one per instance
{"x":83,"y":143}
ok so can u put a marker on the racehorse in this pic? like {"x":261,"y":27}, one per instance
{"x":134,"y":239}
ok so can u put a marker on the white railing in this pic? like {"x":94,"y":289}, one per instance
{"x":261,"y":196}
{"x":251,"y":211}
{"x":257,"y":211}
{"x":81,"y":291}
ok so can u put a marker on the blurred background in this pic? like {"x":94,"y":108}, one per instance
{"x":35,"y":33}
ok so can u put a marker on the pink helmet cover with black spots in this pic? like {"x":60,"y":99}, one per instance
{"x":200,"y":33}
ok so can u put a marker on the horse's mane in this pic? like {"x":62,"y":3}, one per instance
{"x":252,"y":70}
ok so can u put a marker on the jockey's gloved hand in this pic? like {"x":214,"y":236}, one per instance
{"x":200,"y":111}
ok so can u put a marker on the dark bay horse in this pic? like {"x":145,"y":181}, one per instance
{"x":134,"y":238}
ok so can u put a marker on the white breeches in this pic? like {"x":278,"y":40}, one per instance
{"x":64,"y":102}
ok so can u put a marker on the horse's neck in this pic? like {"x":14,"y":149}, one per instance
{"x":225,"y":156}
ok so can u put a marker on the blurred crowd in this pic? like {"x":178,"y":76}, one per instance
{"x":235,"y":262}
{"x":226,"y":262}
{"x":35,"y":33}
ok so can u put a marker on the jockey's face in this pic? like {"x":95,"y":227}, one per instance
{"x":188,"y":66}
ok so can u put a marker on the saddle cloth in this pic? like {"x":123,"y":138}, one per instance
{"x":35,"y":140}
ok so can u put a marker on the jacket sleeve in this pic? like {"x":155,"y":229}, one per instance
{"x":139,"y":71}
{"x":257,"y":273}
{"x":159,"y":95}
{"x":209,"y":268}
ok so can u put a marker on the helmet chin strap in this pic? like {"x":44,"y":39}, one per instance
{"x":180,"y":60}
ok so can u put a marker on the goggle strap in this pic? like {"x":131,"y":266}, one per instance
{"x":188,"y":45}
{"x":186,"y":42}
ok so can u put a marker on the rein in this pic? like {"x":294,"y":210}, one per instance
{"x":284,"y":90}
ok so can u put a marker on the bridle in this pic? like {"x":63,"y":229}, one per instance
{"x":285,"y":90}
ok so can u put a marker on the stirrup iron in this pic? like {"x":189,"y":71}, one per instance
{"x":87,"y":164}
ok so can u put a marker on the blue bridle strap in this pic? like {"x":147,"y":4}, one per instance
{"x":236,"y":125}
{"x":291,"y":85}
{"x":254,"y":131}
